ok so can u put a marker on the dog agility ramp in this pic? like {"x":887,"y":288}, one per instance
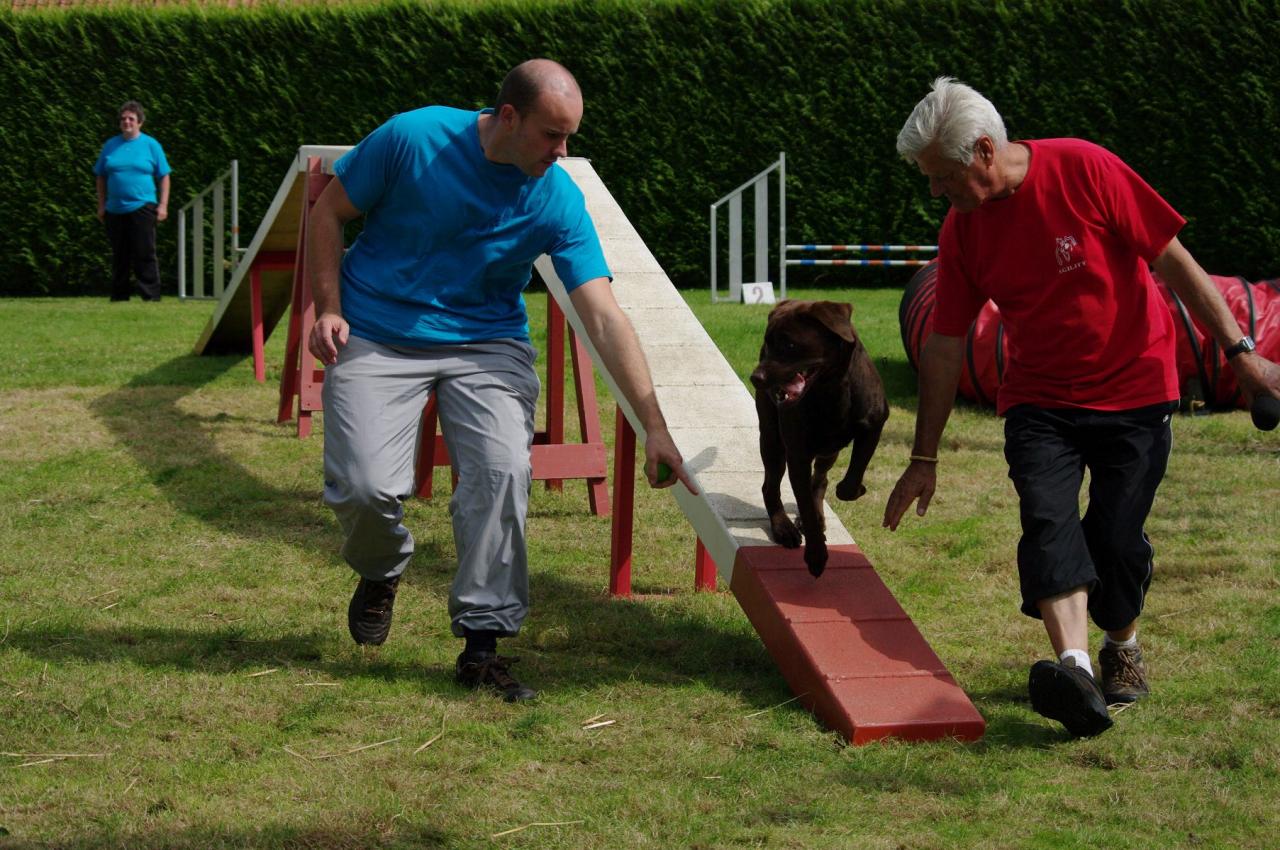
{"x":230,"y":330}
{"x":842,"y":641}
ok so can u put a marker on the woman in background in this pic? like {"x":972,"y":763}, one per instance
{"x":129,"y":171}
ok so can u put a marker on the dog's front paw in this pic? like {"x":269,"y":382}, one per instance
{"x":847,"y":491}
{"x":815,"y":557}
{"x":784,"y":531}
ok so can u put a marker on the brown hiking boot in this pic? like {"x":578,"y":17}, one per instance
{"x":369,"y":614}
{"x":490,"y":670}
{"x":1124,"y":676}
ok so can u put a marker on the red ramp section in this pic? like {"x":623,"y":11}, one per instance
{"x":848,"y":649}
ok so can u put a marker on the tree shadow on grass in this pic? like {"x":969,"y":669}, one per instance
{"x":180,"y":453}
{"x":394,"y":835}
{"x":608,"y":641}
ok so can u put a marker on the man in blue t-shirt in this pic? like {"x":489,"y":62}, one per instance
{"x":132,"y":177}
{"x":457,"y":207}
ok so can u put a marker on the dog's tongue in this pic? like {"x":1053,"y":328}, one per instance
{"x":794,"y":388}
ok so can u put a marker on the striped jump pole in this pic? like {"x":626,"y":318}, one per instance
{"x":853,"y":247}
{"x":857,"y":262}
{"x":814,"y":247}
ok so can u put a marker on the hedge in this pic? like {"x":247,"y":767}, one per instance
{"x":685,"y":100}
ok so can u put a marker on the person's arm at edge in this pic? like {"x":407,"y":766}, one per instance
{"x":940,"y":365}
{"x":1176,"y":267}
{"x":102,"y":196}
{"x":332,"y":210}
{"x":615,"y":340}
{"x":162,"y":208}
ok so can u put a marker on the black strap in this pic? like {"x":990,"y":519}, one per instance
{"x":1000,"y":354}
{"x":973,"y":370}
{"x":1190,"y":328}
{"x":1236,"y":398}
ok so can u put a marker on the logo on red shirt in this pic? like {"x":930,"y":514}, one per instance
{"x":1069,"y":253}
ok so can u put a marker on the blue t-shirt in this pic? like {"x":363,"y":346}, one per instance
{"x":132,"y":169}
{"x":449,"y":237}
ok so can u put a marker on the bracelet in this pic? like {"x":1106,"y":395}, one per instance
{"x":924,"y":459}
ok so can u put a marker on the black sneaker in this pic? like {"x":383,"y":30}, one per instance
{"x":369,"y":614}
{"x":1124,"y":676}
{"x":1069,"y":695}
{"x":491,"y":670}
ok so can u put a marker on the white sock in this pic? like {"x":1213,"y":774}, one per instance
{"x":1081,"y":658}
{"x":1130,"y":643}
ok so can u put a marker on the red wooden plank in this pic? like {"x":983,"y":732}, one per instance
{"x":847,"y":648}
{"x":571,"y":460}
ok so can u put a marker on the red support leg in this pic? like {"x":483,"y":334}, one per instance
{"x":704,"y":569}
{"x":424,"y":470}
{"x":584,"y":384}
{"x":293,"y":344}
{"x":432,"y":451}
{"x":255,"y":313}
{"x":308,"y":387}
{"x":555,"y":380}
{"x":624,"y":481}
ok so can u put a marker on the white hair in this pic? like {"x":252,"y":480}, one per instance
{"x":955,"y":116}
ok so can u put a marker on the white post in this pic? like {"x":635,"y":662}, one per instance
{"x":197,"y":247}
{"x":219,"y":239}
{"x":235,"y":211}
{"x":735,"y":247}
{"x":782,"y":222}
{"x":761,"y":232}
{"x":714,"y":299}
{"x":182,"y":253}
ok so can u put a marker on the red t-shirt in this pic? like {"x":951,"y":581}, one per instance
{"x":1065,"y":258}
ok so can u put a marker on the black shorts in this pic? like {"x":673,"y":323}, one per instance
{"x":1126,"y":453}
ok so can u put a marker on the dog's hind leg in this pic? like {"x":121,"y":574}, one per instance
{"x":865,"y":441}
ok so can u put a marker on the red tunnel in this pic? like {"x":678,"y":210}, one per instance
{"x":1203,"y":373}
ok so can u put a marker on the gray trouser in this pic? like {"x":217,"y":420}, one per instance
{"x":486,"y":393}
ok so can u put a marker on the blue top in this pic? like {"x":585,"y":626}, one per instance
{"x":449,"y":237}
{"x":132,"y":169}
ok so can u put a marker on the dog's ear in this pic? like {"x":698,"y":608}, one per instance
{"x":783,"y":308}
{"x":836,"y":317}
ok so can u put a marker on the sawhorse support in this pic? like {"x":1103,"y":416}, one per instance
{"x":265,"y":261}
{"x":552,"y":458}
{"x":300,"y":376}
{"x":624,"y":480}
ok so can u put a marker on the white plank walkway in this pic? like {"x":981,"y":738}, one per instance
{"x":709,"y":410}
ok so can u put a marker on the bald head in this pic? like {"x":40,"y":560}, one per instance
{"x":529,"y":81}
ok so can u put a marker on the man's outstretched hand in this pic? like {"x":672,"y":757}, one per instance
{"x":917,"y":482}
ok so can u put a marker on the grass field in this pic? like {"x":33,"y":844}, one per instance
{"x":175,"y":670}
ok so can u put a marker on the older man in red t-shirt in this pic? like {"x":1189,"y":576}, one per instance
{"x":1060,"y":234}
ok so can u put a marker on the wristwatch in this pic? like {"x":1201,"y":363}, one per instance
{"x":1245,"y":344}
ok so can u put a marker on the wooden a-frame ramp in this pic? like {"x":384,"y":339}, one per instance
{"x":843,"y":643}
{"x":268,"y":265}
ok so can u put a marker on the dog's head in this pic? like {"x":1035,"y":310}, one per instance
{"x":802,"y":341}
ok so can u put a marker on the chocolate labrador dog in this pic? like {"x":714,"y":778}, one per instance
{"x":816,"y":391}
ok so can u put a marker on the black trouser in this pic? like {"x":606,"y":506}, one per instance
{"x":133,"y":248}
{"x":1126,"y":453}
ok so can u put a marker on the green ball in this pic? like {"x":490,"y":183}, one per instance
{"x":664,"y":472}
